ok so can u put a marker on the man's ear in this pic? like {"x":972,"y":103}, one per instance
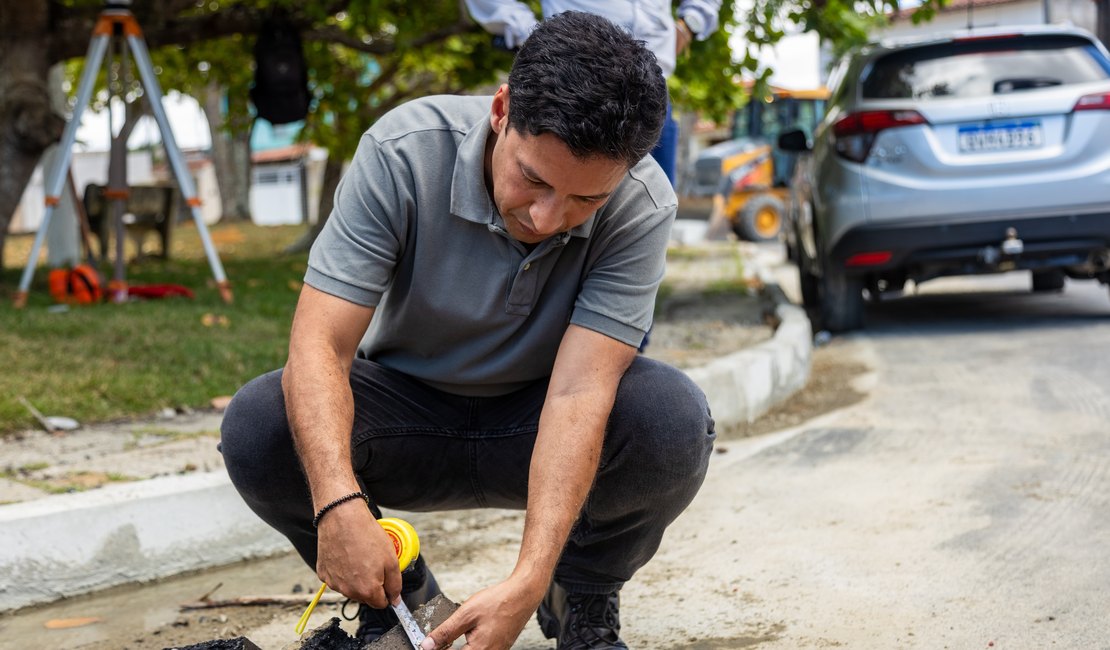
{"x":499,"y":111}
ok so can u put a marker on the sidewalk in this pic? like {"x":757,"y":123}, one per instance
{"x":156,"y":501}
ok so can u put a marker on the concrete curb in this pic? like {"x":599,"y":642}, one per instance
{"x":73,"y":544}
{"x":746,"y":384}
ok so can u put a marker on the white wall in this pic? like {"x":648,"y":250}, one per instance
{"x":1081,"y":13}
{"x":276,"y":194}
{"x":1023,"y":12}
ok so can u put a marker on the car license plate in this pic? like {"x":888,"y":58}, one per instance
{"x":1001,"y":136}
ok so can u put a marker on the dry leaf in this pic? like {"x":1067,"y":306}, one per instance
{"x":66,"y":623}
{"x":209,"y":320}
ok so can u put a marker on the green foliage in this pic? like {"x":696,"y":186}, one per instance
{"x":363,"y":56}
{"x":367,"y":56}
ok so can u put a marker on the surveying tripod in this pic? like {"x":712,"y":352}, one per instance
{"x":116,"y":24}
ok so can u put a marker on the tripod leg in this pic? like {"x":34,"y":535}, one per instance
{"x":57,"y":175}
{"x":177,"y":162}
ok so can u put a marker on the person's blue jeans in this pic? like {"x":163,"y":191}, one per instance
{"x":416,"y":448}
{"x":666,"y":150}
{"x":666,"y":154}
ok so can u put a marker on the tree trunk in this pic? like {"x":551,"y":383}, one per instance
{"x":27,"y":123}
{"x":333,"y":171}
{"x":231,"y":157}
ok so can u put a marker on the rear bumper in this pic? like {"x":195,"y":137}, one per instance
{"x":925,"y":249}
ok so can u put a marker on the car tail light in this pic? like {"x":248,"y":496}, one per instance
{"x":876,"y":258}
{"x":855,"y":133}
{"x":1096,"y":102}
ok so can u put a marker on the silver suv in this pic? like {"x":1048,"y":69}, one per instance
{"x":978,"y":152}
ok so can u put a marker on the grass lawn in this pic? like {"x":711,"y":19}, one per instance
{"x":109,"y":361}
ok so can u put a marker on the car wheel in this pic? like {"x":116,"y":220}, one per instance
{"x":809,"y":285}
{"x":1051,"y":280}
{"x":760,"y":219}
{"x":841,"y":298}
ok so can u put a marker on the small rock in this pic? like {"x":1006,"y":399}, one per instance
{"x":429,"y":616}
{"x":167,"y":413}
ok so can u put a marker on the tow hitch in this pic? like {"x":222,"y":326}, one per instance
{"x":1011,"y":246}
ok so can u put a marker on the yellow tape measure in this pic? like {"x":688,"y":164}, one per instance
{"x":406,"y":545}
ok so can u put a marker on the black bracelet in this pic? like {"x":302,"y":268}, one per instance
{"x":343,"y":499}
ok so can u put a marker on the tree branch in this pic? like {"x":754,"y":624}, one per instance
{"x":461,"y":27}
{"x":383,"y":45}
{"x":333,"y":34}
{"x":73,"y":27}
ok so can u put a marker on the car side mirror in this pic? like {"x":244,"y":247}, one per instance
{"x":795,"y":140}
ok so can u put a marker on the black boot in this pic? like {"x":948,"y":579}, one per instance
{"x":580,"y":621}
{"x":418,"y":586}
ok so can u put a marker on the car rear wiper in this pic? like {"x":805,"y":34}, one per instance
{"x":1003,"y":86}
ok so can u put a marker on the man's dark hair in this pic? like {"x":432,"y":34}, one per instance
{"x":586,"y":81}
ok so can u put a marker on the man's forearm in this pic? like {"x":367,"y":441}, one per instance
{"x":320,"y":408}
{"x":568,"y":448}
{"x":317,"y":388}
{"x":564,"y":463}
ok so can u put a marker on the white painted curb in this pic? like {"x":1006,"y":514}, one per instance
{"x":125,"y":533}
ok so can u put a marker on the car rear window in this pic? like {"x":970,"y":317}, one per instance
{"x":990,"y":66}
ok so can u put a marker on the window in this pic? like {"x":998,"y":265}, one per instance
{"x":982,"y":68}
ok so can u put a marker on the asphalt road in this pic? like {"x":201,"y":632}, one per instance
{"x":964,"y":504}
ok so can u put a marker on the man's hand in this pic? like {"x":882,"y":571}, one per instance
{"x":491,"y":619}
{"x":356,"y":557}
{"x":683,"y":35}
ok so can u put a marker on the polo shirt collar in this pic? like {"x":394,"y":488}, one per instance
{"x":469,"y":198}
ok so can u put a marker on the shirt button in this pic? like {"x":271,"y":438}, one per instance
{"x":527,"y":266}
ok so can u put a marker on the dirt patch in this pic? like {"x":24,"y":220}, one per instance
{"x":693,"y":328}
{"x":829,"y":387}
{"x":221,"y":623}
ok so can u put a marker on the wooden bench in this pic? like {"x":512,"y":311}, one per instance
{"x":149,"y":208}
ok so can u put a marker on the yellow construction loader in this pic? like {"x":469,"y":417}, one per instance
{"x":747,"y":176}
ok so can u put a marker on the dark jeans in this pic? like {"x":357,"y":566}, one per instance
{"x":415,"y":448}
{"x":666,"y":150}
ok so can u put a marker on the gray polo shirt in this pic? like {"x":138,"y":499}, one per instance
{"x":459,"y":304}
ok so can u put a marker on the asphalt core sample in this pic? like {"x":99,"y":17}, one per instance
{"x":238,"y":643}
{"x":330,"y":636}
